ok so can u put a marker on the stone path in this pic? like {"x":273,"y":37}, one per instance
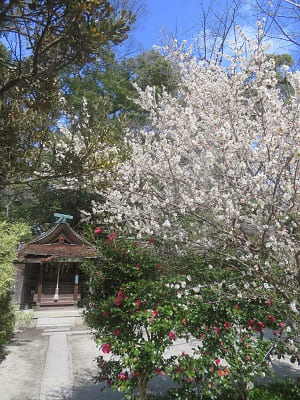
{"x":57,"y":371}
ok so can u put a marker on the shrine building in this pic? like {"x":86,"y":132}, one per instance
{"x":48,"y":272}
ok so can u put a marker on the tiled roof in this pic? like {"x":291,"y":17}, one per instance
{"x":60,"y":242}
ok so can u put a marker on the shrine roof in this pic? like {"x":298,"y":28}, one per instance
{"x":59,"y":243}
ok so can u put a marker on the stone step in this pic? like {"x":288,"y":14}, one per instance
{"x":58,"y":321}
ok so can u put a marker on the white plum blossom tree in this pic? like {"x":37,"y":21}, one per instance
{"x":217,"y":170}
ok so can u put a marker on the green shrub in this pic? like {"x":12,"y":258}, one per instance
{"x":10,"y":235}
{"x":281,"y":389}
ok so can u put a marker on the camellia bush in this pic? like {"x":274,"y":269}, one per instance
{"x":131,"y":308}
{"x":10,"y":235}
{"x":216,"y":171}
{"x":138,"y":306}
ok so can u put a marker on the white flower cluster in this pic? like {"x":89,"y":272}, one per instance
{"x":218,"y":165}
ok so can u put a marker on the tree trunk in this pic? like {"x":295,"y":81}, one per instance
{"x":244,"y":391}
{"x":142,"y":388}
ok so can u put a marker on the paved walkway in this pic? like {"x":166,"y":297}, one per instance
{"x":58,"y":363}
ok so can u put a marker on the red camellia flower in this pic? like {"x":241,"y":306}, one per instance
{"x":217,"y":361}
{"x":260,"y":326}
{"x":172,"y":336}
{"x":151,"y":240}
{"x":157,"y":267}
{"x":227,"y":325}
{"x":138,"y":302}
{"x":269,"y":302}
{"x":112,"y":236}
{"x":97,"y":231}
{"x":218,"y":330}
{"x":272,"y":318}
{"x":117,"y":332}
{"x":138,"y":266}
{"x":106,"y":348}
{"x":118,"y":301}
{"x":154,"y":313}
{"x":251,"y":323}
{"x":123,"y":377}
{"x":135,"y":374}
{"x":281,"y":324}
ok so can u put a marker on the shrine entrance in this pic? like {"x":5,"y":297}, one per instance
{"x":48,"y":268}
{"x":57,"y":284}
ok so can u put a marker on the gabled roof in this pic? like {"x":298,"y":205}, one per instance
{"x":60,"y":243}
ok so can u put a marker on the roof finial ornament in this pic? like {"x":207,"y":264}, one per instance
{"x":62,"y":218}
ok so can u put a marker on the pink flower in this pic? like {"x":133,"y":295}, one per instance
{"x":123,"y":377}
{"x":117,"y":332}
{"x":160,"y":371}
{"x":97,"y":231}
{"x":106,"y":348}
{"x":281,"y":324}
{"x":112,"y":236}
{"x":227,"y":326}
{"x":154,"y":313}
{"x":251,"y":322}
{"x":269,"y":302}
{"x":150,"y":320}
{"x":138,"y":266}
{"x":217,"y":361}
{"x":218,"y":330}
{"x":157,"y":267}
{"x":138,"y":302}
{"x":272,"y":318}
{"x":172,"y":336}
{"x":261,"y":324}
{"x":151,"y":240}
{"x":135,"y":374}
{"x":118,"y":301}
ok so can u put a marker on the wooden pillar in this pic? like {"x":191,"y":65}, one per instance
{"x":40,"y":285}
{"x":76,"y":284}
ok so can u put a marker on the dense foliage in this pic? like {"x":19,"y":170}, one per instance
{"x":10,"y":235}
{"x":139,"y":305}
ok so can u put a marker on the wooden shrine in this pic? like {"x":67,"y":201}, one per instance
{"x":48,"y":268}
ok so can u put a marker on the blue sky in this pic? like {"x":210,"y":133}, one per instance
{"x":170,"y":15}
{"x":181,"y":16}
